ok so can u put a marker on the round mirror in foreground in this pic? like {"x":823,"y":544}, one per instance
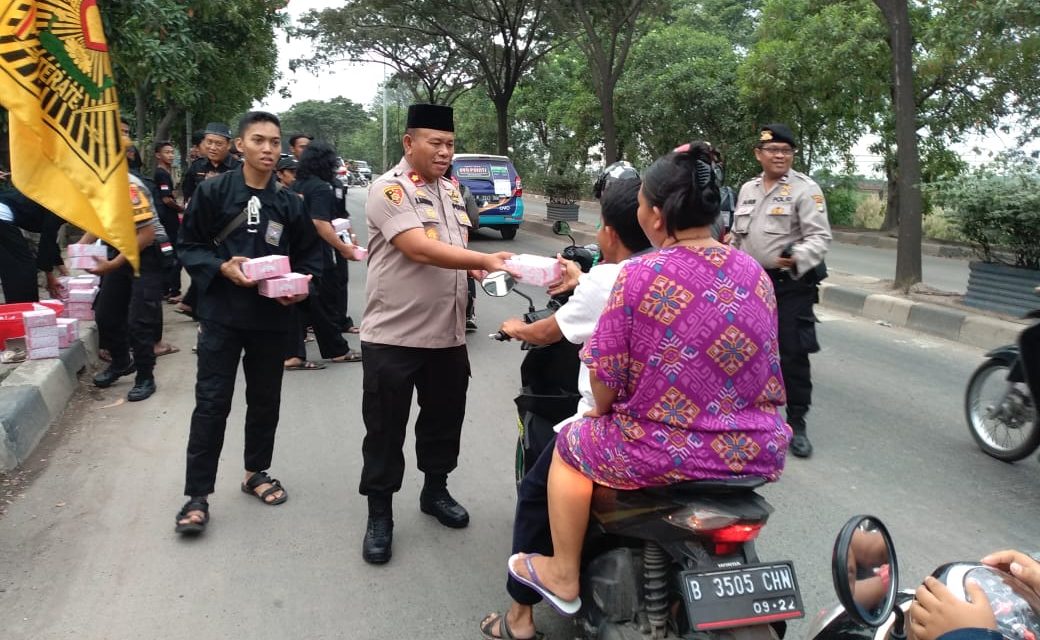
{"x":498,"y":284}
{"x":865,"y":570}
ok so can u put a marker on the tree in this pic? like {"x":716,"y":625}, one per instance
{"x":608,"y":29}
{"x":333,"y":121}
{"x":432,"y":68}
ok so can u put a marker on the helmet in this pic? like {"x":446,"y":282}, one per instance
{"x":1015,"y":606}
{"x":620,"y":170}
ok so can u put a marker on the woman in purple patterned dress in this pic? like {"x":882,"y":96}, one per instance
{"x":686,"y":371}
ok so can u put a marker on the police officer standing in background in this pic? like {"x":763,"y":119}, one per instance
{"x":240,"y":215}
{"x":216,"y":160}
{"x":781,"y":221}
{"x":413,"y":330}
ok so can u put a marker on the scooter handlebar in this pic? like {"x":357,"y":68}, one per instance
{"x":500,"y":336}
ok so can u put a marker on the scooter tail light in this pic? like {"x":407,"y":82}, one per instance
{"x":519,"y":190}
{"x":738,"y":533}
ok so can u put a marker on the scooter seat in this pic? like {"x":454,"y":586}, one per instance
{"x":695,"y":488}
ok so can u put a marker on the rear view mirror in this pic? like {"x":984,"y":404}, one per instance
{"x":498,"y":284}
{"x":561,"y":228}
{"x":865,"y":570}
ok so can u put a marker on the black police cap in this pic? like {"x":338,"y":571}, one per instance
{"x":286,"y":163}
{"x":431,"y":116}
{"x":219,"y":129}
{"x":776,"y":133}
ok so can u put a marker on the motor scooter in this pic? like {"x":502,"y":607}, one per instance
{"x":672,"y":562}
{"x":1000,"y":401}
{"x":871,"y":605}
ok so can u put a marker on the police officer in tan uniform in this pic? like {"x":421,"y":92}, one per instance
{"x":413,"y":331}
{"x":781,"y":221}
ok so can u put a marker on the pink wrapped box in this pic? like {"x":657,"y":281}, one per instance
{"x":39,"y":318}
{"x":48,"y":331}
{"x":341,"y":225}
{"x":57,"y":306}
{"x":537,"y":270}
{"x":81,"y":262}
{"x":43,"y":352}
{"x":68,"y":331}
{"x":34,"y":341}
{"x":266,"y":267}
{"x":87,"y":281}
{"x":88,"y":250}
{"x":83,"y":295}
{"x":291,"y":284}
{"x":360,"y":252}
{"x":79,"y":311}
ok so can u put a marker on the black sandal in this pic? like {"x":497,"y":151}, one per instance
{"x":192,"y":528}
{"x":504,"y":632}
{"x":261,"y":478}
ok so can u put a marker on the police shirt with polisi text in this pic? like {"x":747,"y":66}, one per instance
{"x":283,"y":229}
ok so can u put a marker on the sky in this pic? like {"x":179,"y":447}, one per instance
{"x":357,"y":82}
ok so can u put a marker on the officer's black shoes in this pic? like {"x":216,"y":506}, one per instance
{"x":142,"y":390}
{"x":439,"y":504}
{"x":379,"y":538}
{"x":800,"y":445}
{"x":114,"y":372}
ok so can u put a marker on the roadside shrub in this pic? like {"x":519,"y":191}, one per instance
{"x":869,"y":214}
{"x":563,"y":188}
{"x":997,"y":206}
{"x":938,"y":225}
{"x":842,"y":203}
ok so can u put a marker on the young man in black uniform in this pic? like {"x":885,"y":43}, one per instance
{"x":314,"y":182}
{"x":128,"y":308}
{"x":18,"y":264}
{"x":169,"y":213}
{"x":216,"y":160}
{"x":240,"y":215}
{"x":298,"y":143}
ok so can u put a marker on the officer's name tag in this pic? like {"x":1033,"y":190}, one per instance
{"x":273,"y":235}
{"x":462,"y":218}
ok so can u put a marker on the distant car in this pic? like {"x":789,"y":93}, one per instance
{"x":364,"y":169}
{"x":497,"y":189}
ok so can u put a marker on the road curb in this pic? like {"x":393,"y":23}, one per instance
{"x":936,"y":249}
{"x":36,"y":393}
{"x":952,"y":324}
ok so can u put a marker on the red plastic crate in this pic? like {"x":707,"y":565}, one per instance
{"x":11,"y":325}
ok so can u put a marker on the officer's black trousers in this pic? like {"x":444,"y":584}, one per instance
{"x":17,"y":266}
{"x":318,"y":311}
{"x":220,"y":348}
{"x":531,"y":533}
{"x":797,"y":332}
{"x":128,"y":312}
{"x":441,"y":377}
{"x":172,"y":268}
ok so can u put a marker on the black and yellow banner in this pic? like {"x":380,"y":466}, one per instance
{"x":56,"y":83}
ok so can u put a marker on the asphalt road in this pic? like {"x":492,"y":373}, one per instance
{"x":88,"y":550}
{"x":945,"y":274}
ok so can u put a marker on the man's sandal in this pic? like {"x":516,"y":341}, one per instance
{"x":261,"y":478}
{"x":504,"y":632}
{"x":191,"y":527}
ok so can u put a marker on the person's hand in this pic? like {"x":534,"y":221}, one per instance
{"x":784,"y":263}
{"x":592,"y":413}
{"x":936,"y":610}
{"x":63,"y":270}
{"x":497,"y":262}
{"x":348,"y":253}
{"x":286,"y":301}
{"x":103,"y":267}
{"x":511,"y":326}
{"x":477,"y":274}
{"x":1017,"y":564}
{"x":570,"y":273}
{"x":53,"y":286}
{"x":232,"y":270}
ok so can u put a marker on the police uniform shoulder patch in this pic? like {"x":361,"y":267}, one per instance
{"x":135,"y":195}
{"x":415,"y":178}
{"x":432,"y":234}
{"x":394,"y":193}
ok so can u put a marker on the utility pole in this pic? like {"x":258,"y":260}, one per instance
{"x":385,"y":166}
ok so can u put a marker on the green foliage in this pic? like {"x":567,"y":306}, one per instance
{"x":843,"y":197}
{"x":332,"y":121}
{"x":563,"y":188}
{"x":997,"y":206}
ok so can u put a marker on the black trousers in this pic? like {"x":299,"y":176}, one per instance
{"x":17,"y":266}
{"x":797,"y":333}
{"x":220,"y":348}
{"x":172,"y":266}
{"x":128,"y":312}
{"x":342,"y":313}
{"x":531,"y":533}
{"x":441,"y":377}
{"x":319,"y":312}
{"x":472,"y":300}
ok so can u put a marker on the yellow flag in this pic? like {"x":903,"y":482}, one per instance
{"x":56,"y":83}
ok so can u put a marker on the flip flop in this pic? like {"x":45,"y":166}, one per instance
{"x":350,"y":356}
{"x":167,"y":351}
{"x":354,"y":330}
{"x":306,"y":365}
{"x":566,"y":608}
{"x":506,"y":633}
{"x":12,"y":356}
{"x":193,"y":528}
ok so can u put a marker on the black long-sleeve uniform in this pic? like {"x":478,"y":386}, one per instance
{"x":237,"y":320}
{"x":18,"y":266}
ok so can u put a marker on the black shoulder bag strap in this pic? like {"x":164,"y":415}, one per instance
{"x":231,"y":226}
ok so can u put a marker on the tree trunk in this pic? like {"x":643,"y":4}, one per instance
{"x":141,"y":110}
{"x":908,"y":254}
{"x":610,"y":143}
{"x":891,"y":222}
{"x":162,"y":130}
{"x":502,"y":115}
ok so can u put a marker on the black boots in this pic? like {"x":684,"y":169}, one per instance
{"x":800,"y":446}
{"x":142,"y":390}
{"x":437,"y":502}
{"x":114,"y":372}
{"x":379,"y":533}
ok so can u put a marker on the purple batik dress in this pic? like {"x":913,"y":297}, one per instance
{"x":688,"y":339}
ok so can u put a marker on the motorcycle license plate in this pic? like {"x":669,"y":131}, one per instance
{"x":742,"y":596}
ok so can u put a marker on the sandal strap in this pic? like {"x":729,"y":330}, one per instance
{"x":194,"y":504}
{"x":259,"y":478}
{"x":274,"y":488}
